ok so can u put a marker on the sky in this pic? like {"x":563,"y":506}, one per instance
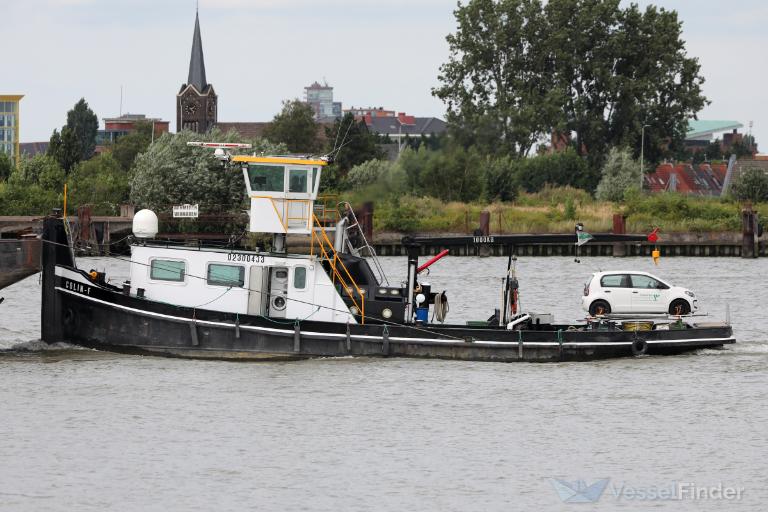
{"x":260,"y":52}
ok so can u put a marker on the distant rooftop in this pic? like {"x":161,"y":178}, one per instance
{"x":701,"y":129}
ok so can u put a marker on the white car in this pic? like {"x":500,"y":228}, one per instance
{"x":635,"y":292}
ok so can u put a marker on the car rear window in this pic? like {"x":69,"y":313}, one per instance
{"x":612,"y":281}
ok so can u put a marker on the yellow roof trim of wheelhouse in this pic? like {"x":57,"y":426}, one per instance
{"x":278,"y":160}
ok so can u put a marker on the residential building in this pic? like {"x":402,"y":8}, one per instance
{"x":196,"y":101}
{"x":116,"y":127}
{"x":403,"y":126}
{"x":31,"y":149}
{"x":320,"y":98}
{"x":246,"y":130}
{"x":702,"y":179}
{"x":702,"y":132}
{"x":361,"y":113}
{"x":9,"y":125}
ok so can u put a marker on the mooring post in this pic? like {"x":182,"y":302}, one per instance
{"x":485,"y":223}
{"x":749,"y":229}
{"x":619,"y":228}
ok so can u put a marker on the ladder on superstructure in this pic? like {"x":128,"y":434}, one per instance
{"x":353,"y":226}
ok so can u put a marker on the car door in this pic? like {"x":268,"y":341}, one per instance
{"x":617,"y":289}
{"x":648,"y":294}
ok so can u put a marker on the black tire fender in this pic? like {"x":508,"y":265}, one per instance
{"x":639,"y":347}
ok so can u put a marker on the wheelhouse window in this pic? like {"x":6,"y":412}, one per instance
{"x":300,"y":278}
{"x":615,"y":281}
{"x":226,"y":275}
{"x":298,"y":180}
{"x":168,"y":270}
{"x":266,"y":178}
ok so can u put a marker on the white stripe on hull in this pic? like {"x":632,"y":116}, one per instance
{"x":364,"y":337}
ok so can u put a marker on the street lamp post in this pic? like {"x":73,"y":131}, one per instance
{"x":642,"y":148}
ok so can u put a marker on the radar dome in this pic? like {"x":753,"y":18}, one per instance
{"x":145,"y":224}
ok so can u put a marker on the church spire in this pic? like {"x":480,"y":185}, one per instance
{"x":196,"y":61}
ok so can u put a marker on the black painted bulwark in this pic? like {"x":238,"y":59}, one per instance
{"x":80,"y":311}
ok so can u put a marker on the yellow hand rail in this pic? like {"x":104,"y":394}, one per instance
{"x":336,"y":263}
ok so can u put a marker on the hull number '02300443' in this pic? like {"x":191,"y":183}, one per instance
{"x":249,"y":258}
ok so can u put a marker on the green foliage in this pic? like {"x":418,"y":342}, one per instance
{"x":129,"y":146}
{"x":679,"y":212}
{"x":18,"y":198}
{"x":100,"y":182}
{"x":65,"y":148}
{"x":40,"y":170}
{"x":520,"y":69}
{"x":77,"y":139}
{"x":84,"y":124}
{"x":402,"y":215}
{"x":170,"y":172}
{"x":751,"y":185}
{"x":367,"y":173}
{"x":620,"y":174}
{"x":6,"y":166}
{"x":500,"y":177}
{"x":294,"y":126}
{"x":497,"y":82}
{"x":354,"y":144}
{"x":564,"y":168}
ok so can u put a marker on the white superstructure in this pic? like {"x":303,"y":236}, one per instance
{"x":239,"y":282}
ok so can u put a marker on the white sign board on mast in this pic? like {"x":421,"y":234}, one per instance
{"x":185,"y":211}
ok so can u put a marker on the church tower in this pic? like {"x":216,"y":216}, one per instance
{"x":196,"y":102}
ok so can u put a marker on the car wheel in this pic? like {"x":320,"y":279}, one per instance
{"x":599,"y":307}
{"x":679,"y":307}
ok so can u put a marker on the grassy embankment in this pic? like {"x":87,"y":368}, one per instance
{"x":556,"y":210}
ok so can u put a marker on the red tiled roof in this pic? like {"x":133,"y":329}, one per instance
{"x":703,"y":179}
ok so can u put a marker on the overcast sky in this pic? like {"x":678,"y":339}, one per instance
{"x":259,"y":52}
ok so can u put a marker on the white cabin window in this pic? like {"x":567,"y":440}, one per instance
{"x":298,"y":180}
{"x":300,"y":278}
{"x":266,"y":178}
{"x":226,"y":275}
{"x":167,"y":270}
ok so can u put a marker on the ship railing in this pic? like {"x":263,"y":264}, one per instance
{"x":339,"y":271}
{"x":363,"y":247}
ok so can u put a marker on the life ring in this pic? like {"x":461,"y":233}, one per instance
{"x":639,"y":347}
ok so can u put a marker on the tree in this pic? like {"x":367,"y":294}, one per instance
{"x":295,"y":127}
{"x":367,"y":173}
{"x":40,"y":170}
{"x":500,"y":179}
{"x":77,"y":140}
{"x":6,"y":166}
{"x":620,"y":174}
{"x":84,"y":125}
{"x":751,"y":185}
{"x":129,"y":146}
{"x":497,"y":83}
{"x":353,"y":144}
{"x":561,"y":169}
{"x":170,"y":172}
{"x":101,"y":183}
{"x":520,"y":69}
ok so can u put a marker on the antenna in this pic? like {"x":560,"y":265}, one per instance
{"x":121,"y":100}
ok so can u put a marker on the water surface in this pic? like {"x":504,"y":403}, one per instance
{"x":86,"y":430}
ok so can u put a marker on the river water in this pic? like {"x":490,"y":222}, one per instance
{"x":91,"y":431}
